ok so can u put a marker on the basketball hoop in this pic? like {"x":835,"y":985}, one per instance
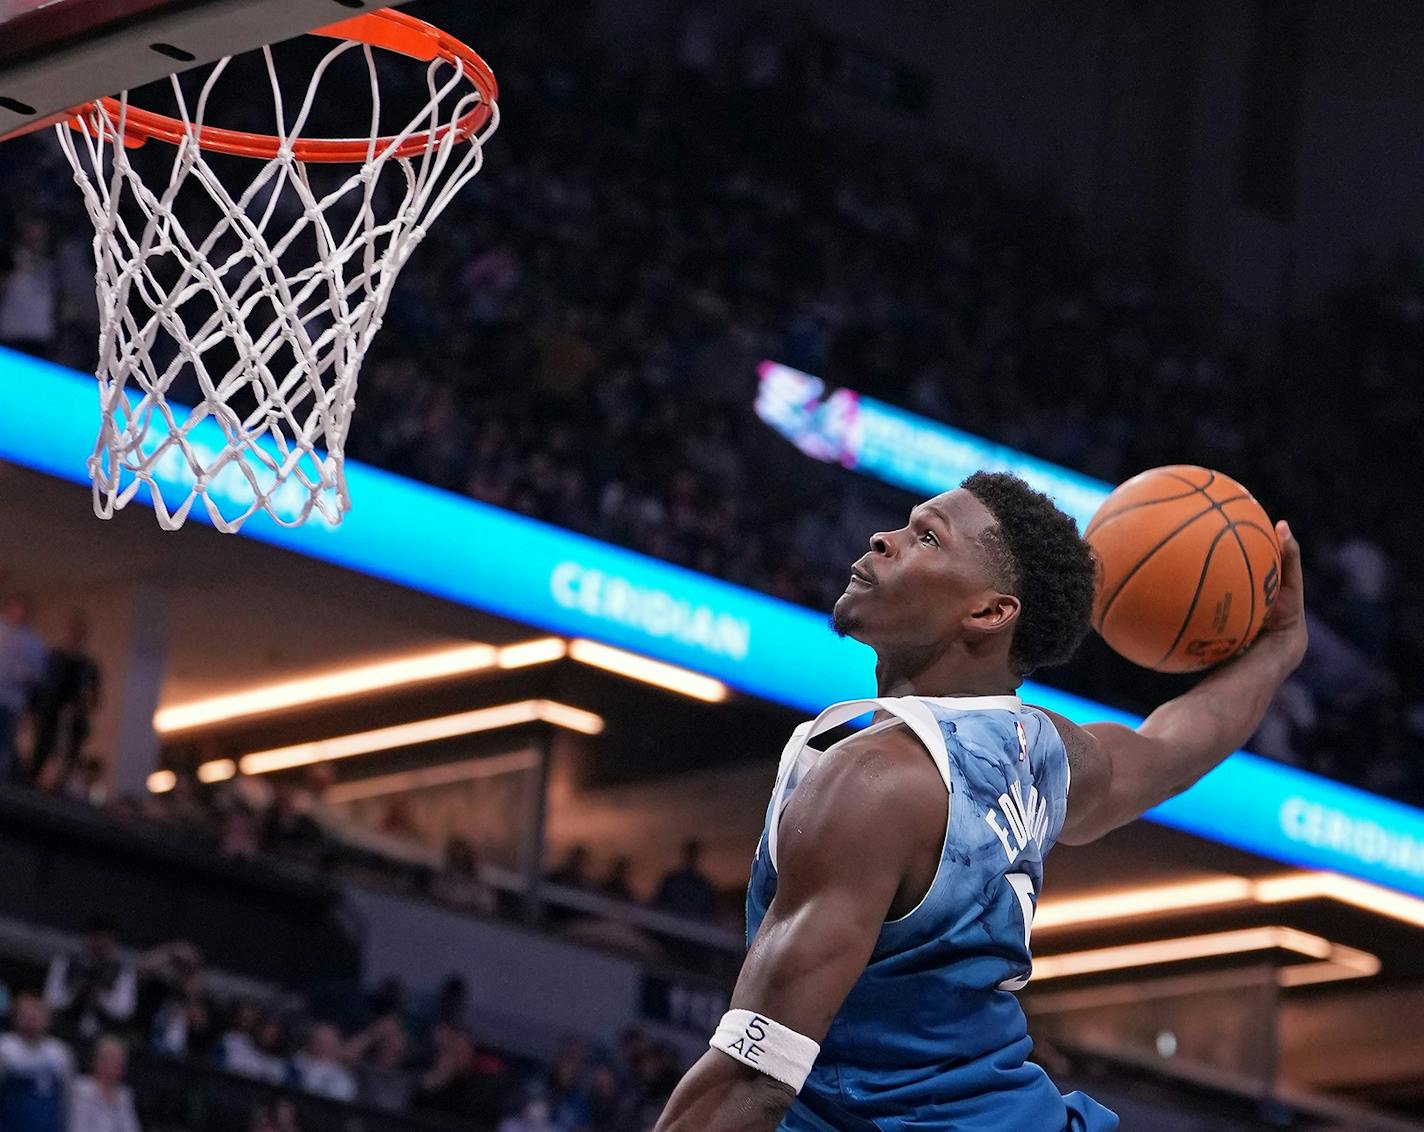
{"x":266,"y":312}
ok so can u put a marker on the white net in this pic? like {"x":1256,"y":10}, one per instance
{"x":235,"y":313}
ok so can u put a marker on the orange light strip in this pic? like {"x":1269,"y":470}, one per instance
{"x":1346,"y":890}
{"x":384,"y":785}
{"x":420,"y":731}
{"x":667,"y":676}
{"x":219,"y":770}
{"x":541,"y":650}
{"x":437,"y":664}
{"x":354,"y":680}
{"x":1224,"y":892}
{"x":161,"y":781}
{"x":1133,"y":903}
{"x":1332,"y":960}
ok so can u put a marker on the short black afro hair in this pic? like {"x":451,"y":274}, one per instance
{"x":1035,"y":553}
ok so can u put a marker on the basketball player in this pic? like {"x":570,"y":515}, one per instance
{"x":894,"y":884}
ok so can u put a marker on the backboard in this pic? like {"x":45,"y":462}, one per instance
{"x":55,"y":54}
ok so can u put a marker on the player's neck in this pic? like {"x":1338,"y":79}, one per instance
{"x":952,"y":674}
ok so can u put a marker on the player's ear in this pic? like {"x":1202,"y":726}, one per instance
{"x":993,"y":613}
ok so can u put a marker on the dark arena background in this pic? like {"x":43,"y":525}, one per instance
{"x":443,"y":818}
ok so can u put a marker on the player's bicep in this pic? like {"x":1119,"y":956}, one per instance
{"x":842,"y":859}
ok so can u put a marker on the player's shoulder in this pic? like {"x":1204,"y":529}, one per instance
{"x":884,"y":771}
{"x":874,"y":801}
{"x":885,"y":753}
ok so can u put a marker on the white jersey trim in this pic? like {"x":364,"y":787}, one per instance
{"x":948,"y":814}
{"x":974,"y":703}
{"x":908,"y":710}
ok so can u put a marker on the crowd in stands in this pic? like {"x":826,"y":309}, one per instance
{"x":252,"y":817}
{"x":384,"y":1050}
{"x":642,"y":236}
{"x":686,"y":891}
{"x":48,"y":694}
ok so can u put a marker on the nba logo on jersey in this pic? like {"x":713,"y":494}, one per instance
{"x":1023,"y":740}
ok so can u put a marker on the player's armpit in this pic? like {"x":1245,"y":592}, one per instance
{"x":1100,"y":761}
{"x":847,"y":839}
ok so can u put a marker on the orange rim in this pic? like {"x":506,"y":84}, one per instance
{"x":387,"y":28}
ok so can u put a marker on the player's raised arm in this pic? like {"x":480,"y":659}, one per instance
{"x":1119,"y":773}
{"x":846,"y":839}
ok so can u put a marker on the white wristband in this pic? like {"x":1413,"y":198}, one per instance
{"x":767,"y":1046}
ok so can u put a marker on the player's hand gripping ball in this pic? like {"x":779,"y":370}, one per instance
{"x":1188,"y":567}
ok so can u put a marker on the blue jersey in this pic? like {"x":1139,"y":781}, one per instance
{"x":932,"y":1036}
{"x":33,"y":1080}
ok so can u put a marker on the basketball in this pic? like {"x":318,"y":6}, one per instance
{"x":1188,"y":567}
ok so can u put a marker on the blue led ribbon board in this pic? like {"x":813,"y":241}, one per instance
{"x":468,"y":552}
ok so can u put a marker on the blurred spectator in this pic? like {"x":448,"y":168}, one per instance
{"x":616,"y":883}
{"x":278,"y":1116}
{"x":387,"y":999}
{"x":35,"y":1071}
{"x":699,"y":43}
{"x":29,"y":287}
{"x":87,"y":782}
{"x":22,"y":663}
{"x":174,"y":1010}
{"x":568,"y":1099}
{"x":573,"y":873}
{"x":659,"y":1071}
{"x":380,"y":1053}
{"x":183,"y":806}
{"x":290,"y":831}
{"x":633,"y":1046}
{"x":451,"y":1002}
{"x":252,"y":1046}
{"x":533,"y":1117}
{"x":1290,"y":717}
{"x":611,"y":1108}
{"x":399,"y":820}
{"x":92,"y":990}
{"x":1366,"y":595}
{"x":320,"y":1067}
{"x":101,"y":1102}
{"x":687,"y":891}
{"x":64,"y":700}
{"x":461,"y":1080}
{"x":309,"y":796}
{"x":251,"y":790}
{"x":239,"y":832}
{"x":461,"y":882}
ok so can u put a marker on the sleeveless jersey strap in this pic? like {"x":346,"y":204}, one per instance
{"x":797,"y":757}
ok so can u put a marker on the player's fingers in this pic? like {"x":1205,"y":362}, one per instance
{"x":1290,"y":555}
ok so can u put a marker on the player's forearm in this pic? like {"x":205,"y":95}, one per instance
{"x":721,"y":1095}
{"x":1200,"y":728}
